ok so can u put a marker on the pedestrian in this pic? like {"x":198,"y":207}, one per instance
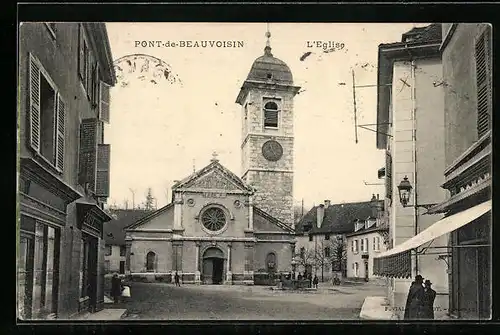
{"x":300,"y":276}
{"x":116,"y":288}
{"x":177,"y":279}
{"x":414,"y":299}
{"x":309,"y":277}
{"x":427,"y":311}
{"x":315,"y":281}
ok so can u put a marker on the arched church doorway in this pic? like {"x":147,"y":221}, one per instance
{"x":213,"y":266}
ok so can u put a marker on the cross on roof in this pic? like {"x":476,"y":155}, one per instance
{"x":214,"y":157}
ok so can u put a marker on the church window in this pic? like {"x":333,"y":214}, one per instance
{"x":213,"y":219}
{"x":271,"y":115}
{"x":271,"y":262}
{"x":150,"y":261}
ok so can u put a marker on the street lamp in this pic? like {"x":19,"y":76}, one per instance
{"x":404,"y":189}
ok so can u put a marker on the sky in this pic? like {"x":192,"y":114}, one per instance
{"x":160,"y":132}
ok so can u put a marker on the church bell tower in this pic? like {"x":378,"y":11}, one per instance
{"x":266,"y":98}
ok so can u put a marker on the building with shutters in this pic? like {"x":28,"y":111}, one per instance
{"x":461,"y":239}
{"x":222,"y":228}
{"x":467,"y":74}
{"x":65,"y":72}
{"x":322,"y":245}
{"x":366,"y":241}
{"x":411,"y":123}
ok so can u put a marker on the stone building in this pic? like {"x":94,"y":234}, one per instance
{"x":367,"y":240}
{"x":114,"y":238}
{"x":65,"y":72}
{"x":322,"y":247}
{"x":410,"y":116}
{"x":221,"y":228}
{"x":467,"y":72}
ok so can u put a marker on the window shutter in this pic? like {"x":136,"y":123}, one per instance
{"x":90,"y":70}
{"x":34,"y":102}
{"x":88,"y":152}
{"x":104,"y":101}
{"x":103,"y":165}
{"x":271,"y":118}
{"x":95,"y":86}
{"x":483,"y":81}
{"x":61,"y":116}
{"x":388,"y":176}
{"x":81,"y":52}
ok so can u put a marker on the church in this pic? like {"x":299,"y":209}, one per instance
{"x":221,"y":228}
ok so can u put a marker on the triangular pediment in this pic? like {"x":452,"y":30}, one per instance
{"x":214,"y":177}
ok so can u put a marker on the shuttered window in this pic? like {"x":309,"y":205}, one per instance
{"x":483,"y":81}
{"x":271,"y":115}
{"x":47,"y":114}
{"x":388,"y":176}
{"x":103,"y":160}
{"x":82,"y":50}
{"x":104,"y":101}
{"x":88,"y":153}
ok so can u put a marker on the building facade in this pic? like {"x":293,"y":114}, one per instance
{"x":65,"y":73}
{"x":467,"y":72}
{"x":220,"y":228}
{"x":114,"y":238}
{"x":363,"y":245}
{"x":410,"y":117}
{"x":322,"y":247}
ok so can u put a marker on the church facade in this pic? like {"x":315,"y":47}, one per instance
{"x":221,"y":228}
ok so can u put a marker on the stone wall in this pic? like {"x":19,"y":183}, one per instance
{"x":274,"y":194}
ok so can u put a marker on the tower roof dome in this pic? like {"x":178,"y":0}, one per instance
{"x":268,"y":68}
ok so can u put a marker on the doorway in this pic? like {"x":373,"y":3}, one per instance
{"x":218,"y":269}
{"x":213,"y":266}
{"x":366,"y":271}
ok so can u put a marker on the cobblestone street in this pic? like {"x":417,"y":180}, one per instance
{"x":158,"y":301}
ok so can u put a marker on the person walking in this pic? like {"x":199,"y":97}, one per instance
{"x":427,"y":310}
{"x":414,"y":299}
{"x":116,"y":288}
{"x":315,"y":281}
{"x":177,"y":279}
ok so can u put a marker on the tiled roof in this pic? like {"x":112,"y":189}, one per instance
{"x":114,"y":233}
{"x":339,"y":218}
{"x":424,"y":34}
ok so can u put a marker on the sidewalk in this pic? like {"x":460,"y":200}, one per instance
{"x":375,"y":308}
{"x":106,"y":314}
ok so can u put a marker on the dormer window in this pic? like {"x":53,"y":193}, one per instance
{"x":271,"y":115}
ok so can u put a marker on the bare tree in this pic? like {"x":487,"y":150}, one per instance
{"x":332,"y":253}
{"x":306,"y":258}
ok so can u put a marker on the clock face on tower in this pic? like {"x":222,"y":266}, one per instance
{"x":272,"y":150}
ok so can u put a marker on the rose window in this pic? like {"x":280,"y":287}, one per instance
{"x":213,"y":219}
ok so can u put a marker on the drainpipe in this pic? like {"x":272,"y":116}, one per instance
{"x":414,"y":144}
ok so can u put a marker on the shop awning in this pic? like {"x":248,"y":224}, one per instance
{"x":446,"y":225}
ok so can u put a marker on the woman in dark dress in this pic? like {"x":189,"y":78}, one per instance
{"x":415,"y":299}
{"x":428,"y":301}
{"x":116,"y":288}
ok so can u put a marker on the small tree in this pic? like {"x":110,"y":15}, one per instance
{"x":339,"y":254}
{"x":150,"y":200}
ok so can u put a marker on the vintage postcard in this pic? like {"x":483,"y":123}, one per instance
{"x":254,"y":171}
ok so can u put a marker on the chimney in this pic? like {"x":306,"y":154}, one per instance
{"x":374,"y":204}
{"x":327,"y":203}
{"x":320,"y":215}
